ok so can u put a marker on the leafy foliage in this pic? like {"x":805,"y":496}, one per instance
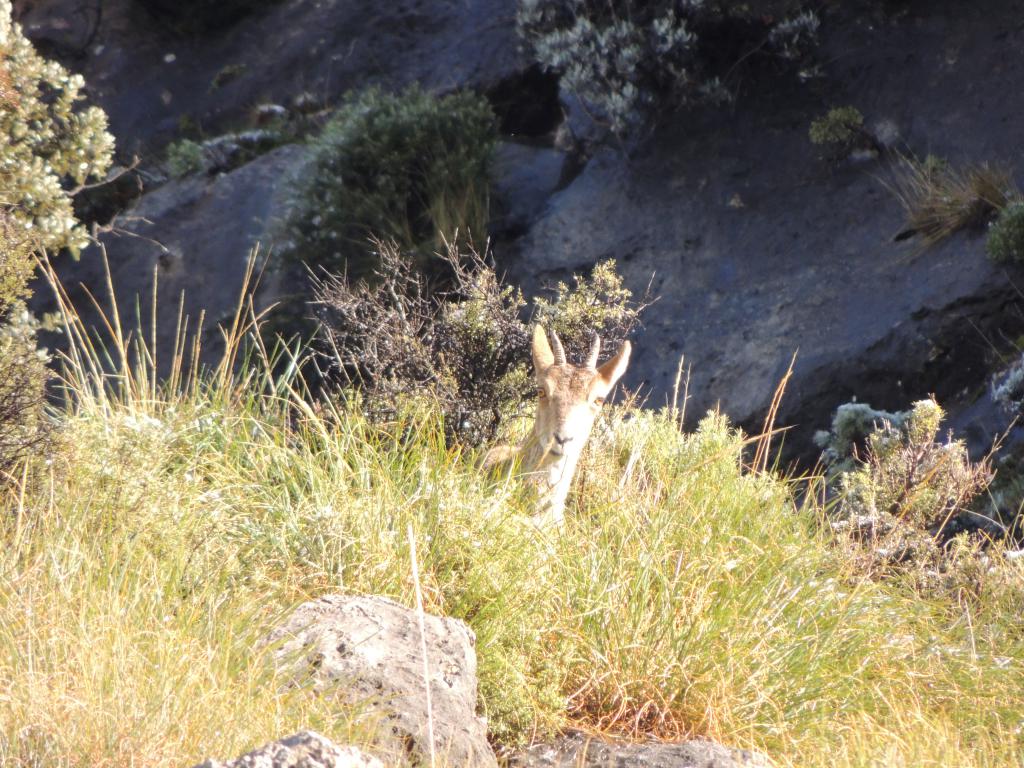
{"x":47,"y":148}
{"x":50,"y":146}
{"x":596,"y":303}
{"x":1005,"y":241}
{"x":625,"y":58}
{"x":184,"y":157}
{"x":842,"y":129}
{"x":410,"y":167}
{"x":907,"y":494}
{"x":465,"y":347}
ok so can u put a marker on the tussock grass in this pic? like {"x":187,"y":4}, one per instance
{"x":940,"y":200}
{"x":175,"y":524}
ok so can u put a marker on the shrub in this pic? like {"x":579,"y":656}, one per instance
{"x":624,"y":58}
{"x":1005,"y":241}
{"x":842,"y":129}
{"x":184,"y":157}
{"x":840,"y":125}
{"x":598,"y":303}
{"x":940,"y":200}
{"x":409,"y":167}
{"x":23,"y":375}
{"x":908,"y":494}
{"x":851,"y":425}
{"x":50,"y":148}
{"x":221,"y":153}
{"x":398,"y":338}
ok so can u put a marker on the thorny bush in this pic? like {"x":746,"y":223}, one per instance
{"x":460,"y":341}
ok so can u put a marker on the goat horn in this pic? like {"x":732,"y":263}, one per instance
{"x":595,"y":350}
{"x":557,"y":349}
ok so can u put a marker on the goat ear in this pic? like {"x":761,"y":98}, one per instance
{"x":543,"y":358}
{"x":612,"y":371}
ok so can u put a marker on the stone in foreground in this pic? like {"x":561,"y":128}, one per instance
{"x":302,"y":750}
{"x":367,"y":652}
{"x":580,"y":751}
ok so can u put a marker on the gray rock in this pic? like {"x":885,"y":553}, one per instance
{"x":195,"y":235}
{"x":524,"y":178}
{"x":302,"y":750}
{"x":579,"y":751}
{"x":366,"y":650}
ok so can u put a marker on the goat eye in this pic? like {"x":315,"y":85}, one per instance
{"x":541,"y":394}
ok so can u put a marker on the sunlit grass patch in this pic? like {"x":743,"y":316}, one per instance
{"x":175,"y":524}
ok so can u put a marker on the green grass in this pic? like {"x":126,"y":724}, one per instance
{"x":173,"y":525}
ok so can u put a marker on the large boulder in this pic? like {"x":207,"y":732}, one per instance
{"x":303,"y":750}
{"x":193,"y":236}
{"x":154,"y":77}
{"x":580,"y":751}
{"x":367,"y":651}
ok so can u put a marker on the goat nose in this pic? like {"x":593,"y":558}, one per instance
{"x":562,"y":440}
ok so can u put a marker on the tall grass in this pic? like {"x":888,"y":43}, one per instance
{"x":939,"y":200}
{"x":175,"y":523}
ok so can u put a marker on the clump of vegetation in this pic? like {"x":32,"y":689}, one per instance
{"x":410,"y":167}
{"x":23,"y":371}
{"x":907,"y":493}
{"x":626,"y":58}
{"x":221,"y":153}
{"x":463,"y":348}
{"x":852,"y":423}
{"x":51,"y":148}
{"x":939,"y":199}
{"x":597,"y":303}
{"x":185,"y":157}
{"x":842,"y":130}
{"x":1005,"y":241}
{"x":1008,"y":387}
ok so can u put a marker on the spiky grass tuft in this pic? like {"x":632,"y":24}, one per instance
{"x":940,"y":200}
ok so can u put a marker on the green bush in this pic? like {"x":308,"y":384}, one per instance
{"x":410,"y":167}
{"x":49,"y":147}
{"x":1005,"y":240}
{"x":841,"y":127}
{"x":624,"y":58}
{"x":184,"y":157}
{"x":598,"y":304}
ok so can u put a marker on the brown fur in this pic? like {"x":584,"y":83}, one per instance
{"x":568,"y":400}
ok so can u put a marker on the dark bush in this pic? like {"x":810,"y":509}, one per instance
{"x":409,"y":167}
{"x":626,"y":58}
{"x":400,"y":337}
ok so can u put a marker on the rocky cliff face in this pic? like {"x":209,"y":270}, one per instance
{"x":759,"y":248}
